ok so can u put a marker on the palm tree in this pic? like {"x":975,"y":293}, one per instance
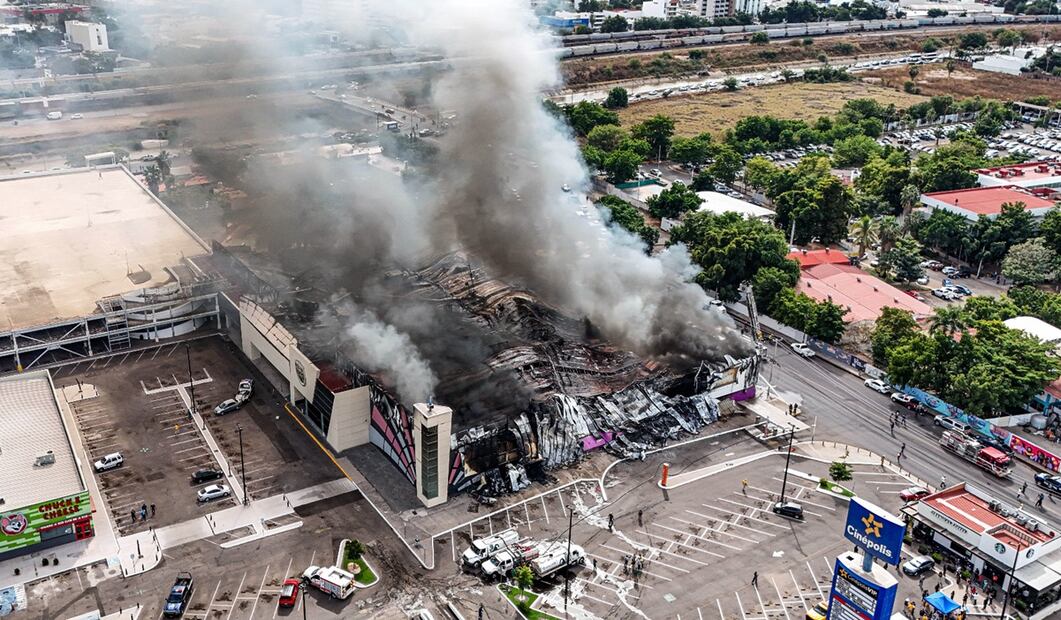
{"x":864,"y":232}
{"x":888,"y":232}
{"x":948,"y":319}
{"x":909,"y":197}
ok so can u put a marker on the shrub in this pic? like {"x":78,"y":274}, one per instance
{"x":808,"y":41}
{"x":839,"y":471}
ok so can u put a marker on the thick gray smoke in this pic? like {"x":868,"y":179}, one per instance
{"x":379,"y":347}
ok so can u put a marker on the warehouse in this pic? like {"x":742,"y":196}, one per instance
{"x":43,"y":497}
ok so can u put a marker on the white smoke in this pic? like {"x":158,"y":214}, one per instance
{"x":379,"y":347}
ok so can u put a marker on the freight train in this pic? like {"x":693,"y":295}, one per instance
{"x":576,"y":45}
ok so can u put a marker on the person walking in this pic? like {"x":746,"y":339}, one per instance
{"x":902,"y":450}
{"x":755,"y":579}
{"x":640,"y":522}
{"x":942,"y":482}
{"x":143,"y":512}
{"x":1039,"y":501}
{"x":152,"y":511}
{"x":744,"y":486}
{"x":611,"y":522}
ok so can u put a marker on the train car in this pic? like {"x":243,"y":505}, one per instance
{"x":605,"y":48}
{"x":649,"y":44}
{"x":872,"y":25}
{"x":731,"y":29}
{"x":712,"y":30}
{"x":669,"y":43}
{"x":620,"y":36}
{"x":697,"y":40}
{"x":627,"y":46}
{"x":564,"y":52}
{"x":734,"y":37}
{"x":797,"y":31}
{"x":598,"y":37}
{"x":777,"y":33}
{"x":582,"y":50}
{"x":984,"y":18}
{"x":713,"y":38}
{"x":753,"y":27}
{"x":959,"y":20}
{"x":572,"y":40}
{"x":1004,"y":18}
{"x":836,"y":28}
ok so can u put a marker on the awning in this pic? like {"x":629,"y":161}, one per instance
{"x":942,"y":602}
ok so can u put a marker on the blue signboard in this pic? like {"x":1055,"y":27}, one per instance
{"x":853,"y":597}
{"x":875,"y":530}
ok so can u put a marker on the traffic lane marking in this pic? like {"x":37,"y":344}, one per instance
{"x":722,"y":499}
{"x":733,"y":523}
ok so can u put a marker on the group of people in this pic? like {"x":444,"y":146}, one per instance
{"x":142,"y":512}
{"x":634,"y":564}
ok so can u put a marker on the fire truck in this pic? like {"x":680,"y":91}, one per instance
{"x":991,"y":459}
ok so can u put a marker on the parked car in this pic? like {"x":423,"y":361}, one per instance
{"x":791,"y":510}
{"x":802,"y":349}
{"x":227,"y":406}
{"x":923,"y":280}
{"x":212,"y":492}
{"x":289,"y":593}
{"x":1049,"y":482}
{"x":996,"y":443}
{"x":963,"y":273}
{"x":246,"y":386}
{"x":877,"y":385}
{"x":951,"y":424}
{"x":945,"y":294}
{"x":950,"y":271}
{"x":109,"y":461}
{"x":206,"y":475}
{"x":961,"y":288}
{"x":818,"y":611}
{"x":911,"y":494}
{"x":77,"y":116}
{"x":918,"y":565}
{"x":903,"y":399}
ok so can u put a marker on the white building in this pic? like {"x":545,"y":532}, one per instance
{"x":1010,"y":64}
{"x":720,"y":203}
{"x":662,"y":9}
{"x":90,"y":36}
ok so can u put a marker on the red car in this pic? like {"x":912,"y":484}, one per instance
{"x":289,"y":593}
{"x":913,"y":494}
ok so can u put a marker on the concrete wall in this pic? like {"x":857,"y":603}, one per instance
{"x":350,"y":419}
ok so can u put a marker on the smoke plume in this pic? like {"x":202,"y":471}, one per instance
{"x":379,"y":347}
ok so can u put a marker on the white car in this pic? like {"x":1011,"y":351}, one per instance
{"x":212,"y":492}
{"x":77,"y":116}
{"x":951,"y":424}
{"x":945,"y":294}
{"x":902,"y":399}
{"x":877,"y":385}
{"x":109,"y":461}
{"x":802,"y":349}
{"x":245,"y":386}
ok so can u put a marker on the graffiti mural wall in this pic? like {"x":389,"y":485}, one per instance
{"x":391,"y":431}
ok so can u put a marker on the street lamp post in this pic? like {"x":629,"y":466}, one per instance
{"x":1009,"y":587}
{"x":302,"y":591}
{"x":242,"y":467}
{"x":788,"y":459}
{"x":191,"y":383}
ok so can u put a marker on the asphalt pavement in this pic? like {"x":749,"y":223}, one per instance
{"x":845,"y":410}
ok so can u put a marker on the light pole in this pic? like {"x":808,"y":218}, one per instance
{"x":1009,"y":588}
{"x":788,"y":459}
{"x":567,"y":574}
{"x":302,"y":590}
{"x":191,"y":383}
{"x":242,"y":467}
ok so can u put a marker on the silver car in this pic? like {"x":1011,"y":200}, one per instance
{"x":212,"y":492}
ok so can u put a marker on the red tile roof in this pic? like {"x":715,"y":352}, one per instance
{"x":1028,"y":171}
{"x":862,"y":294}
{"x":973,"y":512}
{"x":989,"y":200}
{"x":810,"y":258}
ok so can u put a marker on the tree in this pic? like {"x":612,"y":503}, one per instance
{"x":1031,"y":262}
{"x":759,"y":38}
{"x":909,"y":197}
{"x":524,"y":579}
{"x":827,"y":322}
{"x":948,"y":169}
{"x":972,"y":41}
{"x":621,"y":165}
{"x":674,"y":201}
{"x":820,"y":209}
{"x":585,"y":115}
{"x":888,"y":232}
{"x":694,"y":151}
{"x":617,"y":98}
{"x":760,"y":173}
{"x":950,"y":66}
{"x":768,"y":282}
{"x":1050,"y":229}
{"x":913,"y":72}
{"x":885,"y":177}
{"x":902,"y":262}
{"x":863,"y":231}
{"x":943,"y":230}
{"x":703,"y":182}
{"x":839,"y":471}
{"x":855,"y":151}
{"x":730,"y":249}
{"x":893,"y":326}
{"x":823,"y":320}
{"x":614,"y":23}
{"x":153,"y":178}
{"x":657,"y":131}
{"x":936,"y":13}
{"x":628,"y":217}
{"x":591,"y":6}
{"x":730,"y":83}
{"x":726,"y":165}
{"x":947,"y":320}
{"x":606,"y":137}
{"x":1008,"y":38}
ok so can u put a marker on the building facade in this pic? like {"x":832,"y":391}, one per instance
{"x":90,"y":36}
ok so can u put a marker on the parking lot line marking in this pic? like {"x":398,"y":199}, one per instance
{"x":714,"y":542}
{"x":182,"y":441}
{"x":562,"y":506}
{"x":527,"y":511}
{"x":734,"y":524}
{"x":545,"y":508}
{"x":804,"y":501}
{"x":258,"y":594}
{"x":601,"y":585}
{"x":780,"y":598}
{"x":728,"y":501}
{"x":721,"y":616}
{"x":799,"y":590}
{"x":828,"y":565}
{"x":677,"y":568}
{"x":183,"y":450}
{"x":743,"y":516}
{"x":716,"y":530}
{"x":603,"y":602}
{"x":741,"y":605}
{"x":650,"y":535}
{"x":154,"y":354}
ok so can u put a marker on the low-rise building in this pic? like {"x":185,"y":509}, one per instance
{"x":990,"y":538}
{"x":90,"y":36}
{"x":987,"y":202}
{"x":718,"y":204}
{"x":1013,"y":63}
{"x":44,"y":501}
{"x":1029,"y":175}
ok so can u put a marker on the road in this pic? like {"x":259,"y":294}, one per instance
{"x":848,"y":411}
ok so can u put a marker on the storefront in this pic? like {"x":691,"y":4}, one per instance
{"x":46,"y":524}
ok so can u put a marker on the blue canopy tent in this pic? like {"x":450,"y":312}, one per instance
{"x":942,"y":603}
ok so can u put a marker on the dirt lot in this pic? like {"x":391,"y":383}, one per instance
{"x":719,"y":111}
{"x":140,"y":413}
{"x":965,"y":82}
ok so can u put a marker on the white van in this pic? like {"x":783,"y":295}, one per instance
{"x":336,"y":582}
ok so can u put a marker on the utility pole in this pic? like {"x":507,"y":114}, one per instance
{"x":302,"y":589}
{"x":788,"y":459}
{"x":567,"y":560}
{"x":191,"y":383}
{"x":242,"y":467}
{"x":1009,"y":586}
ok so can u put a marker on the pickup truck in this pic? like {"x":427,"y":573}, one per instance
{"x":179,"y":595}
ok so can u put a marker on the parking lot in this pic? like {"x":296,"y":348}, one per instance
{"x":141,"y":412}
{"x":702,"y":542}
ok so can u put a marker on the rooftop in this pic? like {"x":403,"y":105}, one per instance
{"x":1036,"y":328}
{"x":1022,"y":173}
{"x":720,"y":203}
{"x":988,"y":201}
{"x":862,"y":294}
{"x":73,"y":238}
{"x":32,"y":427}
{"x":810,"y":258}
{"x":973,"y":509}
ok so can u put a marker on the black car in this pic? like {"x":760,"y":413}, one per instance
{"x":963,"y":273}
{"x":206,"y":475}
{"x":789,"y":509}
{"x":1049,"y":482}
{"x":994,"y":442}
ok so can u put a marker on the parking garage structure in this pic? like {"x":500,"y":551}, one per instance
{"x":44,"y":501}
{"x":998,"y":543}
